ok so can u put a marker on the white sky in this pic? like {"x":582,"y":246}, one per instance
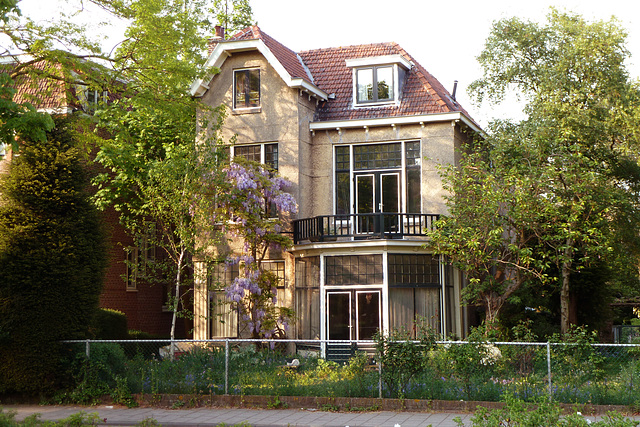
{"x":445,"y":37}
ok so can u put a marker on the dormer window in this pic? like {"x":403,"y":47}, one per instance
{"x":378,"y":80}
{"x":246,"y":88}
{"x":375,"y":84}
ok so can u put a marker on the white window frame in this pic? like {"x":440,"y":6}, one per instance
{"x":397,"y":62}
{"x":244,"y":108}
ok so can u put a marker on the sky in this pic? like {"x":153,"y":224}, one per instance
{"x":445,"y":37}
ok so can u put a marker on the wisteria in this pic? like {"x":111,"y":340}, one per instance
{"x":257,"y":203}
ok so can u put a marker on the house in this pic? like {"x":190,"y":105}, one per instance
{"x":360,"y":132}
{"x":142,"y":303}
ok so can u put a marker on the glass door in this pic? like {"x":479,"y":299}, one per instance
{"x":365,"y":203}
{"x":390,"y":200}
{"x":339,"y":315}
{"x":342,"y":314}
{"x":367,"y":314}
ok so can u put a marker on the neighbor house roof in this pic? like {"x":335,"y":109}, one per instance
{"x":324,"y":73}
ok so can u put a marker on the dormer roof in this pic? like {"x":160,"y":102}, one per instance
{"x":327,"y":74}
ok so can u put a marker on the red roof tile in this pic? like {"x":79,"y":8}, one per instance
{"x":422,"y":93}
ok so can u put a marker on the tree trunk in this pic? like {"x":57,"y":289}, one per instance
{"x":176,"y":302}
{"x":564,"y":289}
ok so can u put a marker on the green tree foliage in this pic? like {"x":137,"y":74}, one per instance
{"x":53,"y":256}
{"x":163,"y":156}
{"x":575,"y":179}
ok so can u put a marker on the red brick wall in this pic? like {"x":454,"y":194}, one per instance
{"x":143,"y":307}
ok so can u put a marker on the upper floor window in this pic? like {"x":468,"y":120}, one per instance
{"x":375,"y":84}
{"x":378,"y":178}
{"x":246,"y":88}
{"x":378,"y":80}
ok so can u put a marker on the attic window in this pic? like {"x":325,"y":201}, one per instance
{"x":246,"y":88}
{"x":374,"y":84}
{"x":378,"y":80}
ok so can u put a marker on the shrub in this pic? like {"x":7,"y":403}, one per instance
{"x":53,"y":257}
{"x":402,"y":358}
{"x":109,"y":324}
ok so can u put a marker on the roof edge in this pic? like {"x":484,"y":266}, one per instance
{"x":398,"y":120}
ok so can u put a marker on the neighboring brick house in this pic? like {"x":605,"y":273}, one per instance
{"x":142,"y":303}
{"x":360,"y":132}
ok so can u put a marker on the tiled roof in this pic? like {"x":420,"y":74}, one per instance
{"x":422,"y":93}
{"x":288,"y":58}
{"x":42,"y":93}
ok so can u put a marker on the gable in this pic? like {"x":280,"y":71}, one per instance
{"x":328,"y":75}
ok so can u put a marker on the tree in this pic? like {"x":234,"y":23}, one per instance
{"x":163,"y":156}
{"x":572,"y":154}
{"x":53,"y":256}
{"x":253,"y":207}
{"x":488,"y":233}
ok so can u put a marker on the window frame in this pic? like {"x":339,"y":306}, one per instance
{"x":374,"y":77}
{"x":246,"y":104}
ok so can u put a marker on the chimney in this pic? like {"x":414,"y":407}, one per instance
{"x":455,"y":86}
{"x":213,"y":41}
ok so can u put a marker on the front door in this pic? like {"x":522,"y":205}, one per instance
{"x":353,"y":315}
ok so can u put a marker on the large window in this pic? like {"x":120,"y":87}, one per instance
{"x":246,"y":88}
{"x":224,"y":319}
{"x":375,"y":84}
{"x":372,"y":178}
{"x":266,"y":154}
{"x":307,"y":298}
{"x":414,"y":290}
{"x":353,"y":270}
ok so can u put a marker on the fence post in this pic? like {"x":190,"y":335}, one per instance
{"x":226,"y":366}
{"x":549,"y":367}
{"x":380,"y":379}
{"x":87,"y":349}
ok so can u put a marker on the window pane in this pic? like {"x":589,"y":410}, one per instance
{"x":413,"y":190}
{"x":365,"y":84}
{"x":412,"y":150}
{"x":247,"y":88}
{"x":308,"y":313}
{"x":385,"y":83}
{"x":271,"y":156}
{"x":354,"y":269}
{"x":413,"y":270}
{"x":249,"y":152}
{"x":277,"y":268}
{"x":254,"y":88}
{"x":377,"y":156}
{"x":342,"y":159}
{"x":240,"y":89}
{"x":342,"y":193}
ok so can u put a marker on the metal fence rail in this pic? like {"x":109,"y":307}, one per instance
{"x":451,"y":370}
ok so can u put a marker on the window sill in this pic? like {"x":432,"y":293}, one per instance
{"x":252,"y":110}
{"x":132,"y":289}
{"x":378,"y":104}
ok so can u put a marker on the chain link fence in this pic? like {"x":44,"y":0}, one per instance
{"x":450,"y":370}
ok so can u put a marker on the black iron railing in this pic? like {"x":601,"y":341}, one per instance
{"x":362,"y":226}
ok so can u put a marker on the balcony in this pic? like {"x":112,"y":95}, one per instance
{"x":327,"y":228}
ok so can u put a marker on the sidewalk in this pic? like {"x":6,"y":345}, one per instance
{"x":119,"y":416}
